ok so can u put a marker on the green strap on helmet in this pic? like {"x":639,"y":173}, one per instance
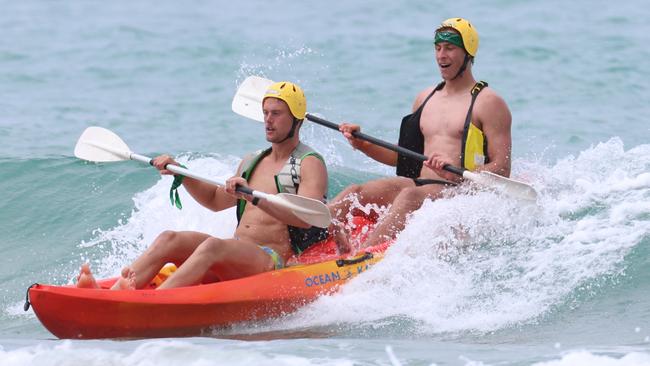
{"x":448,"y":36}
{"x":173,"y":191}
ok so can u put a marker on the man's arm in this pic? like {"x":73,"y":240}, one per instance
{"x":496,"y":120}
{"x":376,"y":152}
{"x":373,"y":151}
{"x":210,"y":196}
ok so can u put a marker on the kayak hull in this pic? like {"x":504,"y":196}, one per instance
{"x":71,"y":312}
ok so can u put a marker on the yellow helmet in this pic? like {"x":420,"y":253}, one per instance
{"x":291,"y":94}
{"x":467,"y":32}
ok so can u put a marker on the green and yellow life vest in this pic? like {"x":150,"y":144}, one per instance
{"x":286,"y":181}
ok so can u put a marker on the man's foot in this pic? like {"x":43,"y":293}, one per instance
{"x":86,"y":278}
{"x":126,"y":280}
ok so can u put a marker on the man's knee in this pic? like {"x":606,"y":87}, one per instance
{"x":211,"y":244}
{"x":345,"y":195}
{"x":410,"y":196}
{"x":213,"y":248}
{"x":165,"y":239}
{"x":167,"y":235}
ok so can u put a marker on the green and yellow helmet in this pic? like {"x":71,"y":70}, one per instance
{"x":291,"y":94}
{"x":468,"y":35}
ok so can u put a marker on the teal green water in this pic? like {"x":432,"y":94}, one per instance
{"x":564,"y":282}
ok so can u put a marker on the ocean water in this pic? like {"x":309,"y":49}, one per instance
{"x":565,"y":282}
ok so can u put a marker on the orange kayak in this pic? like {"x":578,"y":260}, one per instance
{"x":71,"y":312}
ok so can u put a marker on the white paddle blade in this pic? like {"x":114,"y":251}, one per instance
{"x":101,"y":145}
{"x":508,"y":186}
{"x":248,"y":98}
{"x":309,"y":210}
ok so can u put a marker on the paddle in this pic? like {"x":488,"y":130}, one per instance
{"x":248,"y":103}
{"x":98,"y":144}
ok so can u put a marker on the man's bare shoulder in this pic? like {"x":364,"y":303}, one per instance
{"x":313,"y":163}
{"x":422,"y":95}
{"x":313,"y":176}
{"x":492,"y":110}
{"x":489,"y":98}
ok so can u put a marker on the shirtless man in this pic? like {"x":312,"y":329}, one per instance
{"x":451,"y":123}
{"x":266,"y":235}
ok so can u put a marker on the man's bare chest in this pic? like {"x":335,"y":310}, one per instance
{"x":443,"y":117}
{"x":263,"y":177}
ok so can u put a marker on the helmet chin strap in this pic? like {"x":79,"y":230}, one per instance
{"x":462,"y":68}
{"x":292,"y":131}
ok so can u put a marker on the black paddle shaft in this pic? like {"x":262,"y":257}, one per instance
{"x":382,"y":143}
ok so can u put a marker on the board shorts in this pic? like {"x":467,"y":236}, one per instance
{"x":277,"y":260}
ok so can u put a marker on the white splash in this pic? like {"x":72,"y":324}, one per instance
{"x":512,"y":264}
{"x":284,"y":59}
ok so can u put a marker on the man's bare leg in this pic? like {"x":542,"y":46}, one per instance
{"x":381,"y":192}
{"x":86,"y":278}
{"x":226,"y":258}
{"x":407,"y":201}
{"x":169,"y":246}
